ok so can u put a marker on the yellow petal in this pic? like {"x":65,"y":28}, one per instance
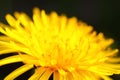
{"x":25,"y":20}
{"x":45,"y":19}
{"x":56,"y":76}
{"x":106,"y":77}
{"x":11,"y":59}
{"x":17,"y":15}
{"x":38,"y":73}
{"x":6,"y":50}
{"x":46,"y":75}
{"x":11,"y":20}
{"x":4,"y":38}
{"x":18,"y":72}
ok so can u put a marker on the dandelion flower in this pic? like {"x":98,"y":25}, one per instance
{"x":56,"y":45}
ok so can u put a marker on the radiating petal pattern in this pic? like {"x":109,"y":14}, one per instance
{"x":58,"y":47}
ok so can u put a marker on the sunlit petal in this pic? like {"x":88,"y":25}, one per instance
{"x":37,"y":74}
{"x":18,"y":72}
{"x":11,"y":59}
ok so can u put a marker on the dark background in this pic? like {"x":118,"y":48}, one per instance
{"x":103,"y":15}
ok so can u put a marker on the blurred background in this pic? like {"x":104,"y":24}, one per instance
{"x":103,"y":15}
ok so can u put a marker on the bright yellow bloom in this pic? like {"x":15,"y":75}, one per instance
{"x":67,"y":48}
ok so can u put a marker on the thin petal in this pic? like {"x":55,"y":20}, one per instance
{"x":5,"y":38}
{"x":17,"y":15}
{"x":18,"y":72}
{"x":46,"y":75}
{"x":38,"y":73}
{"x":5,"y":47}
{"x":69,"y":76}
{"x":7,"y":50}
{"x":25,"y":20}
{"x":106,"y":77}
{"x":11,"y":59}
{"x":37,"y":18}
{"x":45,"y":19}
{"x":56,"y":76}
{"x":11,"y":20}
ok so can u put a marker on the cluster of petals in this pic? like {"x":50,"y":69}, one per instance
{"x":61,"y":47}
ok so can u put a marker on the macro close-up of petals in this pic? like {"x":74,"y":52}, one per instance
{"x":58,"y":46}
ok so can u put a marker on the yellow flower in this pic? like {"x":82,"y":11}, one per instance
{"x":65,"y":47}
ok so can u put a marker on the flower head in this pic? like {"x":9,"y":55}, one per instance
{"x":65,"y":47}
